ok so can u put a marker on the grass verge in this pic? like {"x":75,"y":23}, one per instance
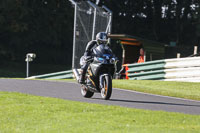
{"x":27,"y":113}
{"x":186,"y":90}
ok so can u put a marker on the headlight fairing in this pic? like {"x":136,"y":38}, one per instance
{"x":100,"y":59}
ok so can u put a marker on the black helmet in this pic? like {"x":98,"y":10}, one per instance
{"x":102,"y":38}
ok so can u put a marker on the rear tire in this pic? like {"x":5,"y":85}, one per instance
{"x":86,"y":93}
{"x":106,"y":91}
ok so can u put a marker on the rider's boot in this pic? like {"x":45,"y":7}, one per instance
{"x":82,"y":77}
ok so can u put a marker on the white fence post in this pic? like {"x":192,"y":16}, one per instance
{"x":178,"y":55}
{"x":195,"y":49}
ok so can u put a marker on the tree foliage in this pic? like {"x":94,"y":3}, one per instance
{"x":46,"y":26}
{"x":160,"y":20}
{"x":40,"y":26}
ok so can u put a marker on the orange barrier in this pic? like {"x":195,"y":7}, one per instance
{"x":126,"y":71}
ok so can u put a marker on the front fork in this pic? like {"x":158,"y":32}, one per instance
{"x":101,"y":80}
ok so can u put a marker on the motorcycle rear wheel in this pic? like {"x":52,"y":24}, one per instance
{"x":106,"y":91}
{"x":86,"y":93}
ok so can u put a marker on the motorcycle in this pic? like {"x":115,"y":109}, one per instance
{"x":100,"y":72}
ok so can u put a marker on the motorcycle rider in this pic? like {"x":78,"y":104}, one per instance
{"x":101,"y":38}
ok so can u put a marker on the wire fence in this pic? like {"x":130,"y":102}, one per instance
{"x":89,"y":20}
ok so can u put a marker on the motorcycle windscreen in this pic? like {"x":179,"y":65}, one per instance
{"x":102,"y":50}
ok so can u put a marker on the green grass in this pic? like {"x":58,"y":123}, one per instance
{"x":27,"y":113}
{"x":186,"y":90}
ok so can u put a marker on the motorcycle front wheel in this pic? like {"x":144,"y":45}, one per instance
{"x":86,"y":93}
{"x":106,"y":91}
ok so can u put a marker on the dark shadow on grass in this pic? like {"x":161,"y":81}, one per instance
{"x":149,"y":102}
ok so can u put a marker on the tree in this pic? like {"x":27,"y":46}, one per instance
{"x":46,"y":27}
{"x":43,"y":27}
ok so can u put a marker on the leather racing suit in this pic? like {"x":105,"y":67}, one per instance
{"x":88,"y":52}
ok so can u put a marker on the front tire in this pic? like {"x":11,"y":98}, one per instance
{"x":86,"y":93}
{"x":106,"y":91}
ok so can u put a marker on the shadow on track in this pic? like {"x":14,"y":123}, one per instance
{"x":148,"y":102}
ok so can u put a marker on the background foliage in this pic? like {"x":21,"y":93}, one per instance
{"x":42,"y":27}
{"x":45,"y":27}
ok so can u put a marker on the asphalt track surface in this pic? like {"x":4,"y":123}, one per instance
{"x":124,"y":98}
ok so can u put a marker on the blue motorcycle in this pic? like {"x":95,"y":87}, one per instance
{"x":101,"y":70}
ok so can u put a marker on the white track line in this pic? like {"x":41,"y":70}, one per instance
{"x":157,"y":95}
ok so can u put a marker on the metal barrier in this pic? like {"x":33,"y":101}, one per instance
{"x":179,"y":69}
{"x":57,"y":75}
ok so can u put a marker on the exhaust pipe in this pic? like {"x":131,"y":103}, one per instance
{"x":76,"y":74}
